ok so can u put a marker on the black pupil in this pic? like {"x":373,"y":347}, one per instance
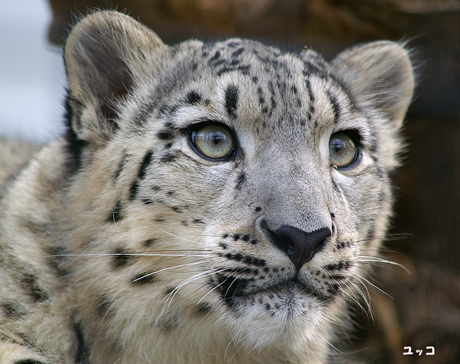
{"x":216,"y":137}
{"x":339,"y":146}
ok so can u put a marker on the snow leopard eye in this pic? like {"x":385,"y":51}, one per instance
{"x":343,"y":150}
{"x":213,"y":141}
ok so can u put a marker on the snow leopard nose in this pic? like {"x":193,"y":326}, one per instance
{"x":299,"y":245}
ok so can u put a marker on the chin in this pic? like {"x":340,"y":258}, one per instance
{"x":277,"y":318}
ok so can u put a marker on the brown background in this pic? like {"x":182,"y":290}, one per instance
{"x":424,"y":308}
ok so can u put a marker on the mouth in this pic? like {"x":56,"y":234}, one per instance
{"x":233,"y":289}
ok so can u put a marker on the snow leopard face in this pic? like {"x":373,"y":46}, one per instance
{"x":225,"y":195}
{"x":263,"y":174}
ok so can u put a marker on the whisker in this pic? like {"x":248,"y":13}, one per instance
{"x":366,"y":298}
{"x":128,"y":254}
{"x":188,"y":280}
{"x":355,"y":299}
{"x":373,"y":285}
{"x":387,"y":237}
{"x":234,"y":280}
{"x":173,"y":235}
{"x":168,"y":268}
{"x":369,"y":259}
{"x":212,"y":289}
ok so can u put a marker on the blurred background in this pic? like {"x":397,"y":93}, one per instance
{"x":420,"y":309}
{"x":32,"y":77}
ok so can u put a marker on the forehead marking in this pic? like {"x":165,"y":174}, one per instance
{"x":231,"y":100}
{"x":335,"y":106}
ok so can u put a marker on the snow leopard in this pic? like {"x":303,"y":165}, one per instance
{"x":207,"y":203}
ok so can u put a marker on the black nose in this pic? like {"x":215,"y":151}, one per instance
{"x":299,"y":245}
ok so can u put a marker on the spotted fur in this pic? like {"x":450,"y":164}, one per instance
{"x":120,"y":243}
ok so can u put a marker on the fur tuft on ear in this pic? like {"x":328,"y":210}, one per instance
{"x":379,"y":74}
{"x":105,"y":54}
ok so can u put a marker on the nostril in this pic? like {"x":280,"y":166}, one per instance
{"x":299,"y":246}
{"x":320,"y":246}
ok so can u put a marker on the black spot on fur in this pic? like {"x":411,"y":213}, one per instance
{"x":311,"y":96}
{"x":260,"y":95}
{"x":193,"y":98}
{"x":83,"y":350}
{"x":116,"y":215}
{"x":28,"y":361}
{"x":215,"y":56}
{"x":74,"y":146}
{"x":219,"y":62}
{"x":342,"y":265}
{"x":29,"y":283}
{"x":255,"y":79}
{"x":233,"y":43}
{"x":204,"y":308}
{"x":121,"y":166}
{"x":333,"y":289}
{"x":231,"y":288}
{"x":336,"y":277}
{"x":149,"y":242}
{"x":254,"y":261}
{"x":245,"y":70}
{"x":237,"y":52}
{"x":165,"y":134}
{"x":144,"y":278}
{"x":343,"y":245}
{"x":240,"y":180}
{"x":120,"y":258}
{"x":147,"y":201}
{"x":272,"y":102}
{"x":335,"y":106}
{"x":167,"y":157}
{"x":258,"y":208}
{"x":145,"y":163}
{"x":12,"y":310}
{"x":133,"y":190}
{"x":246,"y":259}
{"x":231,"y":100}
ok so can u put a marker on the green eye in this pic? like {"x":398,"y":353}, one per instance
{"x":213,"y":141}
{"x":343,"y":150}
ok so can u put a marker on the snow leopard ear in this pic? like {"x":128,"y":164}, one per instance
{"x":378,"y":74}
{"x":105,"y":55}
